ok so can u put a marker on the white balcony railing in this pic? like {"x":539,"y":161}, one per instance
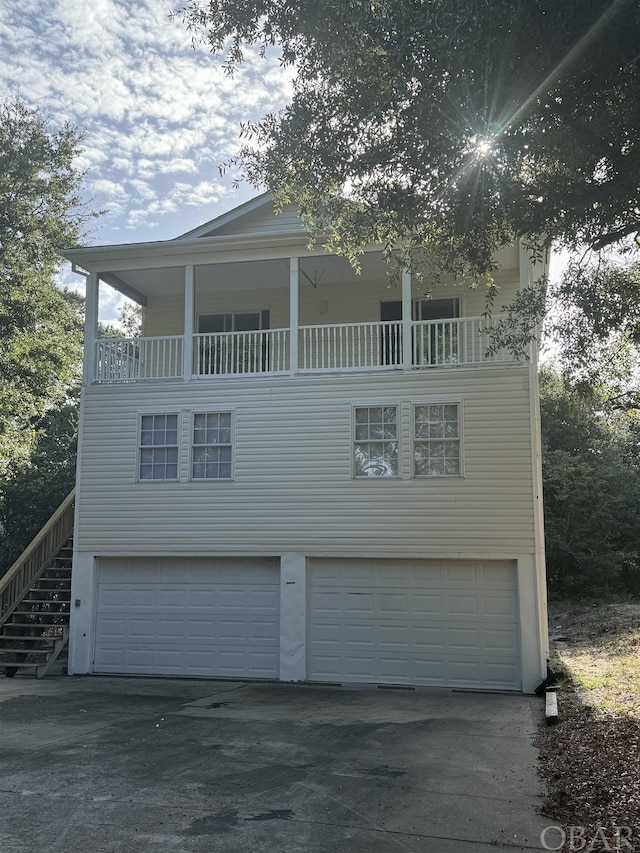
{"x":350,"y":346}
{"x":135,"y":359}
{"x":321,"y":349}
{"x":467,"y":340}
{"x":234,"y":353}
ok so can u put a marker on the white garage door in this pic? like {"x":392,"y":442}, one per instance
{"x":198,"y":617}
{"x":437,"y":623}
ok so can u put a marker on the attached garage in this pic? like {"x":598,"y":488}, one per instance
{"x":188,"y":616}
{"x":450,"y":623}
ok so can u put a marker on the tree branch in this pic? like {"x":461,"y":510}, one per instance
{"x":614,"y":236}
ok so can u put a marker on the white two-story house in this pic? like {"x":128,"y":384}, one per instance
{"x":300,"y":473}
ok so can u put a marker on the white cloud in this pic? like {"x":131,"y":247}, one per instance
{"x":152,"y":107}
{"x":179,"y":164}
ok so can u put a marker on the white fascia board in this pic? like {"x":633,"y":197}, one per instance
{"x":203,"y":250}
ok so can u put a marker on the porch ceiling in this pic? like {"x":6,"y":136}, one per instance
{"x":254,"y":275}
{"x":248,"y":275}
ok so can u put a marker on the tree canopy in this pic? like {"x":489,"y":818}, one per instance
{"x":595,"y":322}
{"x":40,"y":326}
{"x":591,"y":473}
{"x":33,"y":488}
{"x":445,"y":126}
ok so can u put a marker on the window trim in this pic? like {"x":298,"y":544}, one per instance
{"x":445,"y":401}
{"x":158,"y":413}
{"x":377,"y":405}
{"x":232,"y":444}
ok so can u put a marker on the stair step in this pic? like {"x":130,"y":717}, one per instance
{"x":48,"y":614}
{"x":33,"y":639}
{"x":50,"y":599}
{"x":44,"y":621}
{"x":20,"y":665}
{"x":54,"y":580}
{"x":7,"y":650}
{"x":49,"y":590}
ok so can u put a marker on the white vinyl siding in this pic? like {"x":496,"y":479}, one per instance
{"x":293,"y":488}
{"x":441,"y":623}
{"x":212,"y":447}
{"x":263,"y":220}
{"x":197,"y":617}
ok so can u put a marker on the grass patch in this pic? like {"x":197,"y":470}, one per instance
{"x":590,"y":760}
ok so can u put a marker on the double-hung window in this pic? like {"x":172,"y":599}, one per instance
{"x":375,"y":447}
{"x":158,"y":447}
{"x":212,"y":446}
{"x":436,"y":440}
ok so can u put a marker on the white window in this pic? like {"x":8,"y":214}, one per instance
{"x":159,"y":447}
{"x":436,"y":440}
{"x":376,"y":441}
{"x":212,"y":446}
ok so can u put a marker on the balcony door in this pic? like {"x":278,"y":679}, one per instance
{"x":391,"y":342}
{"x":436,"y":344}
{"x":435,"y":309}
{"x":432,"y":345}
{"x":225,"y":352}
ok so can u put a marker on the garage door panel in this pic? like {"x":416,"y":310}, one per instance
{"x":140,"y":629}
{"x":435,"y":623}
{"x":190,"y":617}
{"x":110,"y":627}
{"x":496,"y":640}
{"x":170,"y":627}
{"x":425,"y":637}
{"x":427,"y":605}
{"x":499,"y":606}
{"x":463,"y":638}
{"x":392,"y":604}
{"x":463,"y":605}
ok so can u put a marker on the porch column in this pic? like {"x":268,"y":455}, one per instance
{"x":90,"y":327}
{"x":187,"y":344}
{"x":407,"y":355}
{"x":294,"y":313}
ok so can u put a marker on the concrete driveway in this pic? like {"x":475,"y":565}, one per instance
{"x":124,"y":764}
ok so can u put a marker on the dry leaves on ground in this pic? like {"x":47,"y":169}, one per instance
{"x":590,"y":761}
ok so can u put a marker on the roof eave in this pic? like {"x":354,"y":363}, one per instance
{"x":96,"y":258}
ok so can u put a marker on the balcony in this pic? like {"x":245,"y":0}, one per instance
{"x":334,"y":348}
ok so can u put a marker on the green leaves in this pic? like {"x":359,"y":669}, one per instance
{"x":40,"y":326}
{"x":596,"y":322}
{"x":463,"y":124}
{"x":591,"y":473}
{"x":36,"y":483}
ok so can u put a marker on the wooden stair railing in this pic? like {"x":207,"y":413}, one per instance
{"x":36,"y":557}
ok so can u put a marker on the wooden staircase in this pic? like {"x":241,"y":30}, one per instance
{"x":35,"y":600}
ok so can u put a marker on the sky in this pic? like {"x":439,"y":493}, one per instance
{"x":158,"y":114}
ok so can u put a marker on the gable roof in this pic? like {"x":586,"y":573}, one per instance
{"x":256,"y":216}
